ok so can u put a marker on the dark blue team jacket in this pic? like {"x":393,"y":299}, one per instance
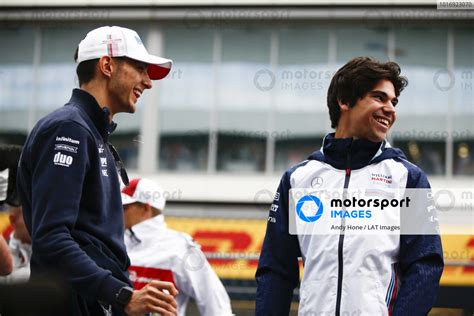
{"x":70,"y":191}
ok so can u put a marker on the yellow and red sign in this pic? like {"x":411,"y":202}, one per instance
{"x":458,"y":250}
{"x":242,"y":240}
{"x":226,"y":236}
{"x":246,"y":237}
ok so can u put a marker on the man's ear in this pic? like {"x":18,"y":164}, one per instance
{"x":106,"y":66}
{"x":344,"y":107}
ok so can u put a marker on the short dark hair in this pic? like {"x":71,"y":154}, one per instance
{"x":85,"y":70}
{"x":356,"y":78}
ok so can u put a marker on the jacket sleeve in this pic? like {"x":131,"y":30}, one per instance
{"x":57,"y":182}
{"x":278,"y":272}
{"x":421,"y":264}
{"x":197,"y":279}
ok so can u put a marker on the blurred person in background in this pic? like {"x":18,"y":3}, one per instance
{"x":9,"y":156}
{"x":19,"y":239}
{"x":69,"y":185}
{"x":19,"y":243}
{"x":159,"y":253}
{"x":45,"y":295}
{"x":20,"y":248}
{"x":383,"y":274}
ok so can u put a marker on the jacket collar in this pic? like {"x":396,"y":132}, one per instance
{"x":151,"y":224}
{"x":336,"y":151}
{"x":146,"y":228}
{"x":98,"y":115}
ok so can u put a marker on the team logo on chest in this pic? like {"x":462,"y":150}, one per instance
{"x":317,"y":182}
{"x":381,"y":178}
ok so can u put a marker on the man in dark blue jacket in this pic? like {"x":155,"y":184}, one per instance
{"x":68,"y":180}
{"x":351,"y":274}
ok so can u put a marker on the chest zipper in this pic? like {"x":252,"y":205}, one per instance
{"x":340,"y":258}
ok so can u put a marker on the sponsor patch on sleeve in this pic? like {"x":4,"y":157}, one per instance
{"x":277,"y":196}
{"x":67,"y":140}
{"x":64,"y":147}
{"x":274,"y":208}
{"x":62,"y":160}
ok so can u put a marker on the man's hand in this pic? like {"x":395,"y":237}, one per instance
{"x":155,"y":297}
{"x":6,"y":262}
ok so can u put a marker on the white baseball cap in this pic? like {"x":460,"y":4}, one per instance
{"x":144,"y":191}
{"x":116,"y":41}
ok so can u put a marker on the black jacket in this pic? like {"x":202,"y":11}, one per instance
{"x":70,"y":191}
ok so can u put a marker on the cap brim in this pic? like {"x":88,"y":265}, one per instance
{"x":127,"y":199}
{"x":158,"y":67}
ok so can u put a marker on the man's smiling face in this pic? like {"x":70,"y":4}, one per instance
{"x":373,"y":115}
{"x":127,"y":85}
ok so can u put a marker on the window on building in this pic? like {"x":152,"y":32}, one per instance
{"x":240,"y":154}
{"x":127,"y":146}
{"x":463,"y":158}
{"x":243,"y":108}
{"x":184,"y":152}
{"x":17,"y":88}
{"x":289,"y":152}
{"x":462,"y":83}
{"x":186,"y":98}
{"x":422,"y":61}
{"x":429,"y":155}
{"x":57,"y":67}
{"x":354,"y":41}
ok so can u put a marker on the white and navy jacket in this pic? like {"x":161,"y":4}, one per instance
{"x":159,"y":253}
{"x":348,"y":274}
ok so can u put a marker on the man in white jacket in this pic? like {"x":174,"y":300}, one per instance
{"x":159,"y":253}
